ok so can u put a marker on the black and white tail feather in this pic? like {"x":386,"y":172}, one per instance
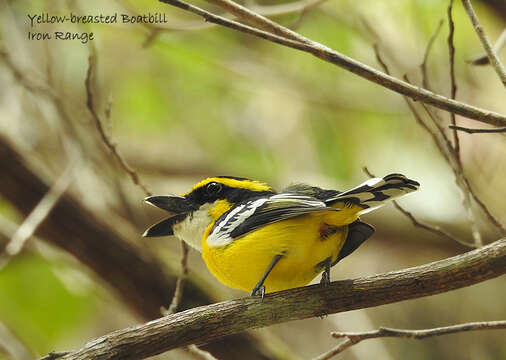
{"x":376,"y":192}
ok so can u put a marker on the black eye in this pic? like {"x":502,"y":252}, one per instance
{"x":213,"y":188}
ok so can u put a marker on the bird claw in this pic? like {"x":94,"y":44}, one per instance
{"x":258,"y":291}
{"x":325,"y":281}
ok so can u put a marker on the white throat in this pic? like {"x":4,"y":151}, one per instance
{"x":192,"y":228}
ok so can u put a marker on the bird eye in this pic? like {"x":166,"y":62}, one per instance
{"x":213,"y":188}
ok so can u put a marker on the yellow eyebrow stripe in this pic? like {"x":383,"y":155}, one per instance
{"x":242,"y":184}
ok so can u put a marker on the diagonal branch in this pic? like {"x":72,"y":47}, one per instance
{"x":39,"y":213}
{"x":478,"y":131}
{"x":485,"y":42}
{"x":353,"y":66}
{"x":353,"y":338}
{"x":208,"y":323}
{"x":499,"y":45}
{"x":90,"y":103}
{"x":423,"y":65}
{"x":453,"y":83}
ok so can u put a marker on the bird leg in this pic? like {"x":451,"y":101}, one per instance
{"x":325,"y":281}
{"x":259,"y":288}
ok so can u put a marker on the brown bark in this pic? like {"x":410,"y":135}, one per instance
{"x":208,"y":323}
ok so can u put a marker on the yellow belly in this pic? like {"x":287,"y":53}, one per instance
{"x":242,"y":263}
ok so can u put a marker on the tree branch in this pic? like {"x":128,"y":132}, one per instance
{"x":453,"y":83}
{"x":499,"y":45}
{"x":356,"y":337}
{"x":485,"y":42}
{"x":90,"y":103}
{"x":208,"y":323}
{"x":39,"y":213}
{"x":178,"y":292}
{"x":353,"y":66}
{"x":478,"y":131}
{"x":423,"y":65}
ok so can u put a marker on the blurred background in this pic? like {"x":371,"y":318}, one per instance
{"x":185,"y":100}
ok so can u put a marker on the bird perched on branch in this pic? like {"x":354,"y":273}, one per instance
{"x":256,"y":239}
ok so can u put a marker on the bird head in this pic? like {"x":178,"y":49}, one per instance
{"x":191,"y":213}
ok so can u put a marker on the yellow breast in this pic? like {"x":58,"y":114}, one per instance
{"x":242,"y":263}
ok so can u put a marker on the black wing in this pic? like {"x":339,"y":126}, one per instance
{"x":253,"y":214}
{"x":358,"y":232}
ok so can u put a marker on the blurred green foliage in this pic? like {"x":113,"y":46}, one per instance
{"x":37,"y":306}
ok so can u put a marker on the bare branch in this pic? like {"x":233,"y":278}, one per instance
{"x":178,"y":293}
{"x":55,"y":355}
{"x":199,"y":353}
{"x":380,"y":60}
{"x":39,"y":213}
{"x":303,"y":11}
{"x":453,"y":84}
{"x":208,"y":323}
{"x":423,"y":65}
{"x":499,"y":45}
{"x":353,"y":338}
{"x":13,"y":345}
{"x":352,"y":65}
{"x":110,"y":145}
{"x":261,"y":22}
{"x":485,"y":209}
{"x":301,"y":6}
{"x":485,"y":42}
{"x":478,"y":131}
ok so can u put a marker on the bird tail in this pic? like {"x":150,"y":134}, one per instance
{"x":375,"y":192}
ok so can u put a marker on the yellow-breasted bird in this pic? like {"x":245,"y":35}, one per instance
{"x":256,"y":239}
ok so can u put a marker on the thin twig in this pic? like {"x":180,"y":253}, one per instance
{"x":55,"y":355}
{"x":107,"y":113}
{"x":433,"y":229}
{"x":265,"y":10}
{"x":39,"y":213}
{"x":485,"y":42}
{"x":478,"y":131}
{"x":437,"y":123}
{"x":259,"y":21}
{"x":380,"y":60}
{"x":354,"y":66}
{"x":413,"y":110}
{"x":353,"y":338}
{"x":423,"y":65}
{"x":13,"y":345}
{"x":178,"y":293}
{"x":107,"y":141}
{"x":499,"y":45}
{"x":449,"y":153}
{"x":463,"y":185}
{"x":453,"y":83}
{"x":485,"y":209}
{"x":199,"y":353}
{"x":303,"y":12}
